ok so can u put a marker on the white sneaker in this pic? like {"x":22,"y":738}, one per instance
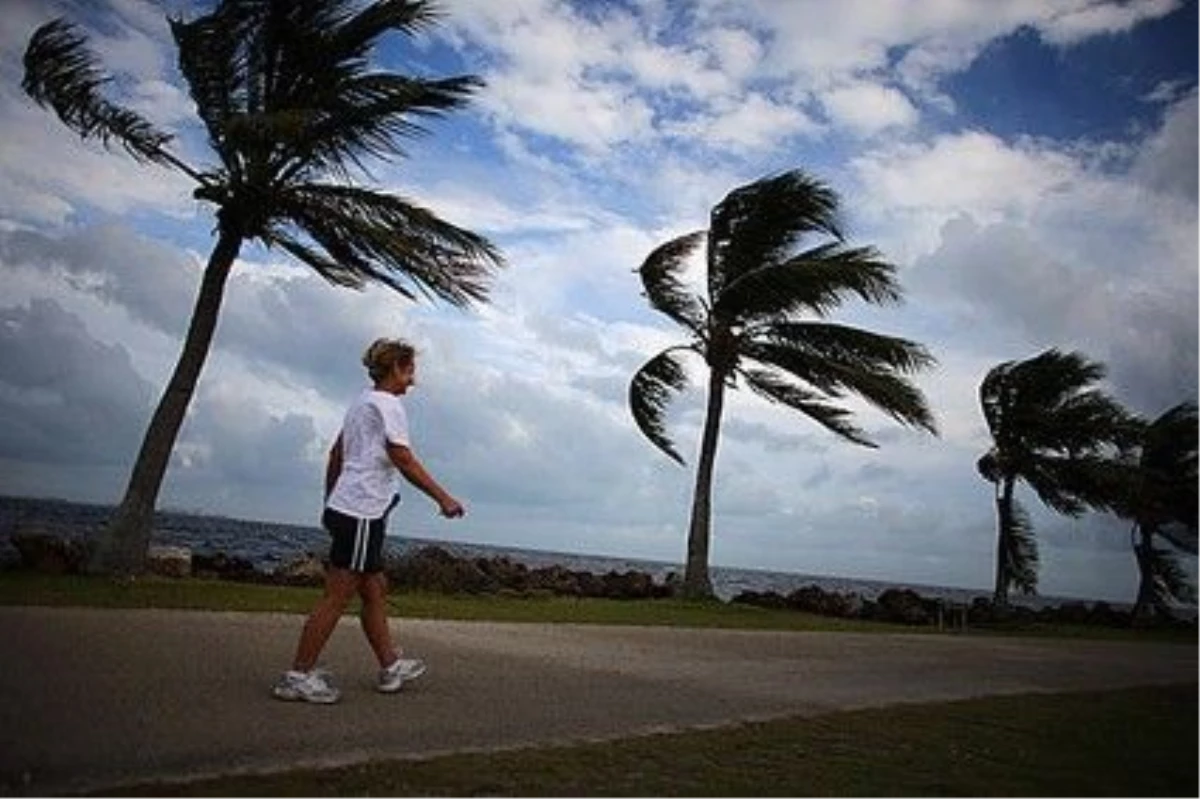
{"x":394,"y":676}
{"x":313,"y":686}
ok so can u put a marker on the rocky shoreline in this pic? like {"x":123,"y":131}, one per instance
{"x":434,"y":569}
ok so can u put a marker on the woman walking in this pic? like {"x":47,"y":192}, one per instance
{"x":359,"y":492}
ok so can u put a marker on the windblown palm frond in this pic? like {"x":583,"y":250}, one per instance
{"x":1167,"y":499}
{"x":817,"y":281}
{"x":664,"y":288}
{"x":1168,"y":581}
{"x":876,"y":374}
{"x":1074,"y":484}
{"x":1180,"y":535}
{"x":384,"y":238}
{"x":811,"y":404}
{"x":360,"y":30}
{"x":759,"y":224}
{"x":370,"y":116}
{"x":1021,"y":551}
{"x":650,"y":392}
{"x":848,"y":345}
{"x":62,"y":73}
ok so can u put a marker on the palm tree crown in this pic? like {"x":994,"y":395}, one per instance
{"x":292,"y":112}
{"x":1052,"y":429}
{"x":776,"y":266}
{"x":750,"y":323}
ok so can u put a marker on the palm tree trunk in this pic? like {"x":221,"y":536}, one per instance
{"x":1145,"y":595}
{"x":121,"y":548}
{"x":1004,"y":515}
{"x":696,"y":582}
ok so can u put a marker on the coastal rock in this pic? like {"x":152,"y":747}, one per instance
{"x":631,"y":585}
{"x":505,"y":572}
{"x":814,"y":599}
{"x":433,"y":568}
{"x":169,"y":561}
{"x":308,"y":569}
{"x":1072,"y":613}
{"x":981,"y":611}
{"x":556,"y":579}
{"x":47,"y":552}
{"x":905,"y":606}
{"x":224,"y":567}
{"x":1106,"y":615}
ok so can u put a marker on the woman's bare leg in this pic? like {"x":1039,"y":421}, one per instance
{"x":339,"y":587}
{"x":372,"y":588}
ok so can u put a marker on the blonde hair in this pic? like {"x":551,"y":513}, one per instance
{"x":385,"y":354}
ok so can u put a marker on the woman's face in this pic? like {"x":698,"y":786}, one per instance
{"x":403,"y":377}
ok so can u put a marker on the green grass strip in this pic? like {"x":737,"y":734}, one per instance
{"x":32,"y":588}
{"x":29,"y":588}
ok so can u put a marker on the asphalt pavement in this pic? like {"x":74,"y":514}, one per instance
{"x":95,"y":698}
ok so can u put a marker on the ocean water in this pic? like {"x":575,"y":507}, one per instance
{"x":269,"y":545}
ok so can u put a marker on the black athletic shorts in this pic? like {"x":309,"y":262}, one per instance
{"x":357,"y":543}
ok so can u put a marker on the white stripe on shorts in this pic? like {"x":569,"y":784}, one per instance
{"x":359,"y":559}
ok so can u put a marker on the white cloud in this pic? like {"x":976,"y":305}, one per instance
{"x":1076,"y":24}
{"x":620,"y":76}
{"x":1167,"y":161}
{"x":592,"y":116}
{"x":749,"y":124}
{"x":910,"y":190}
{"x":735,"y":50}
{"x":867,"y":108}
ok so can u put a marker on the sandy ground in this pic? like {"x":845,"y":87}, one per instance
{"x":98,"y":698}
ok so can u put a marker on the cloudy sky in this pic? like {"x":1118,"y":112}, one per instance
{"x":1029,"y":165}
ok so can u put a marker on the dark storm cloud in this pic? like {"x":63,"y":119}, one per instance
{"x":152,"y":282}
{"x":64,"y":397}
{"x":1137,"y":318}
{"x":73,"y":410}
{"x":1154,"y":364}
{"x":234,"y":456}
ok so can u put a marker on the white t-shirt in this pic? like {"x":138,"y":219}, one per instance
{"x":368,"y":478}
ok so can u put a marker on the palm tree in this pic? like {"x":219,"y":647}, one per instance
{"x":1053,"y":430}
{"x":292,"y":109}
{"x":749,"y":328}
{"x":1162,"y":504}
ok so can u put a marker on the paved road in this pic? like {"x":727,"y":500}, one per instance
{"x":95,"y":698}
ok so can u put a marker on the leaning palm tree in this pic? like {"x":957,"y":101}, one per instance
{"x":749,"y":328}
{"x":292,"y":110}
{"x":1052,"y":429}
{"x":1162,"y":505}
